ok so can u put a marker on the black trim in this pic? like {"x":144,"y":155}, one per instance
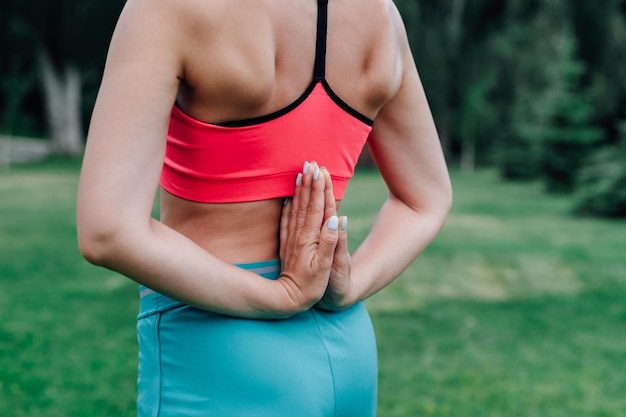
{"x":274,"y":115}
{"x":345,"y":106}
{"x":319,"y":75}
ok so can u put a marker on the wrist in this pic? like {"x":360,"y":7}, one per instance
{"x":334,"y":300}
{"x":290,"y":299}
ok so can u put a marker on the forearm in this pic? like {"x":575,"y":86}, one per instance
{"x":162,"y":259}
{"x":399,"y":235}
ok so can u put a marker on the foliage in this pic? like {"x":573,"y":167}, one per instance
{"x":71,"y":35}
{"x":513,"y":83}
{"x":602,"y":183}
{"x":450,"y":41}
{"x":72,"y":32}
{"x":568,"y":137}
{"x":601,"y":38}
{"x":529,"y":56}
{"x":18,"y":80}
{"x":495,"y":73}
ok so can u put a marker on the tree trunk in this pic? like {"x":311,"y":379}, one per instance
{"x":62,"y":95}
{"x":443,"y":129}
{"x":455,"y":21}
{"x":5,"y":153}
{"x":468,"y":156}
{"x":453,"y":34}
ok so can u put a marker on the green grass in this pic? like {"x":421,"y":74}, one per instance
{"x":516,"y":309}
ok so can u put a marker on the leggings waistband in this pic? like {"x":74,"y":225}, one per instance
{"x":152,"y":302}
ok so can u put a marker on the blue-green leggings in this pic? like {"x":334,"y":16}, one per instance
{"x":196,"y":363}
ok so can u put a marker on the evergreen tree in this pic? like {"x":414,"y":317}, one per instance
{"x":568,"y":137}
{"x":449,"y":40}
{"x":602,"y":181}
{"x":524,"y":55}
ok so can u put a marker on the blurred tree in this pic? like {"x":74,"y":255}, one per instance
{"x":601,"y":31}
{"x":547,"y":129}
{"x":496,"y":73}
{"x":602,"y":182}
{"x":477,"y":118}
{"x":17,"y":79}
{"x":449,"y":41}
{"x":67,"y":40}
{"x":523,"y":54}
{"x":601,"y":37}
{"x":569,"y":136}
{"x":493,"y":71}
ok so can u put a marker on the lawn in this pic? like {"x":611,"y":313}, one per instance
{"x":516,"y":309}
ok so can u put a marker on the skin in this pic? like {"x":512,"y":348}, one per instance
{"x":225,"y":60}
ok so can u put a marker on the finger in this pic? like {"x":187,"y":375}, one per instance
{"x":302,"y":195}
{"x":328,"y":242}
{"x":330,"y":206}
{"x":342,"y":239}
{"x":315,"y":211}
{"x":295,"y":201}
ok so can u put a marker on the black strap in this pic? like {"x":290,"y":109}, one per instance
{"x":320,"y":44}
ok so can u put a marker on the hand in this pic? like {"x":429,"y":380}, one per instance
{"x":340,"y":288}
{"x":336,"y":296}
{"x":308,"y":238}
{"x":340,"y":284}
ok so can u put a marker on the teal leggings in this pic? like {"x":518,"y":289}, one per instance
{"x":196,"y":363}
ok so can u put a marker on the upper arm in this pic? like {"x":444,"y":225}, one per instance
{"x":405,"y":144}
{"x":128,"y":130}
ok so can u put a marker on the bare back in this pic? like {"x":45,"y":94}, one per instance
{"x":227,"y":60}
{"x":246,"y":59}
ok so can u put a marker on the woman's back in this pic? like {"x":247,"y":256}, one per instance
{"x":245,"y":59}
{"x":228,"y":60}
{"x":249,"y":59}
{"x":182,"y":76}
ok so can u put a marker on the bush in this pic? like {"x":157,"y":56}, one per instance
{"x":602,"y":184}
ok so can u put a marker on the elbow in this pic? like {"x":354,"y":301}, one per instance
{"x":94,"y":247}
{"x":97,"y":243}
{"x":439,"y":199}
{"x":433,"y":207}
{"x":442,"y":205}
{"x":446,"y":201}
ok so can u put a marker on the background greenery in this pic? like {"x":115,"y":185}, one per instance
{"x":534,"y":88}
{"x":516,"y":309}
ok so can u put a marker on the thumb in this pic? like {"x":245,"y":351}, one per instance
{"x":342,"y":240}
{"x":328,"y":239}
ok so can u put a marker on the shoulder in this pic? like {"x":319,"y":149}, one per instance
{"x":159,"y":16}
{"x":385,"y":18}
{"x":383,"y":12}
{"x":176,"y":19}
{"x":160,"y":31}
{"x":389,"y":15}
{"x":388,"y":43}
{"x":396,"y":23}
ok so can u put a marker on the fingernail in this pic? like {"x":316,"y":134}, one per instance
{"x":298,"y":180}
{"x":333,"y":223}
{"x":285,"y":201}
{"x":344,"y":223}
{"x":305,"y":168}
{"x":316,"y":174}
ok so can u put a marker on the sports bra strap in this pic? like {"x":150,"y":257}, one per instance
{"x":320,"y":44}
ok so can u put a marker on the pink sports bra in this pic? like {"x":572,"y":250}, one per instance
{"x":259,"y":158}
